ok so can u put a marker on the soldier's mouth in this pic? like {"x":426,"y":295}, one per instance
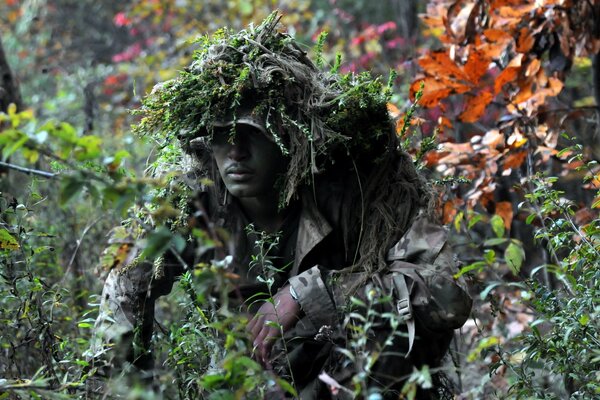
{"x":239,"y":173}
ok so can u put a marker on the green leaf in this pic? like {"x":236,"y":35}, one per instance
{"x":9,"y":150}
{"x":514,"y":255}
{"x":489,"y":256}
{"x":64,"y":131}
{"x":584,"y":319}
{"x":488,"y":289}
{"x":285,"y":385}
{"x":494,"y":242}
{"x":458,"y":220}
{"x":7,"y":241}
{"x":157,"y":242}
{"x":473,"y":220}
{"x":478,"y":265}
{"x":211,"y":381}
{"x":497,"y":225}
{"x":89,"y":148}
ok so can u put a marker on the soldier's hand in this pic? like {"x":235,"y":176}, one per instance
{"x":268,"y":322}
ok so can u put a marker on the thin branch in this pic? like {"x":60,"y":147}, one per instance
{"x":28,"y":171}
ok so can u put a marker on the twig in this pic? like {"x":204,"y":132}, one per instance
{"x":28,"y":171}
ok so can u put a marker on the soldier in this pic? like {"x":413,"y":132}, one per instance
{"x":313,"y":158}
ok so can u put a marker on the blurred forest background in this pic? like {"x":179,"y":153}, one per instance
{"x":507,"y":127}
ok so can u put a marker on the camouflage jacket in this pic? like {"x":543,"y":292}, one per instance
{"x":429,"y":302}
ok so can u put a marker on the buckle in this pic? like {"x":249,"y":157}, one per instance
{"x":404,"y":309}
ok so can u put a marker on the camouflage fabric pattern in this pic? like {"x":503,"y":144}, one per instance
{"x":437,"y":304}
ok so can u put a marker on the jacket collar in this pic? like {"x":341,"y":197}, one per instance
{"x":312,"y":229}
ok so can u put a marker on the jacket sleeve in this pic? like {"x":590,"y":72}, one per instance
{"x":124,"y":326}
{"x":426,"y":261}
{"x":315,"y":298}
{"x":123,"y":329}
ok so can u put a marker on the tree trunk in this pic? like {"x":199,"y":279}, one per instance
{"x":9,"y":89}
{"x":9,"y":93}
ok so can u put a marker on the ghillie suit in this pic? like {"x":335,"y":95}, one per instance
{"x":329,"y":125}
{"x":358,"y":229}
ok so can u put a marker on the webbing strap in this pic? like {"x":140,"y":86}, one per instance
{"x":405,"y":309}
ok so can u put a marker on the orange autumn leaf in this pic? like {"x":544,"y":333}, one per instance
{"x":555,"y":86}
{"x":477,"y":65}
{"x":525,"y":92}
{"x":496,"y":35}
{"x":533,"y":67}
{"x":515,"y":11}
{"x":514,"y":160}
{"x":450,"y":211}
{"x":475,"y":106}
{"x":504,"y":210}
{"x":435,"y":91}
{"x":393,"y":110}
{"x":444,"y":121}
{"x":525,"y":41}
{"x":439,"y":63}
{"x":509,"y":73}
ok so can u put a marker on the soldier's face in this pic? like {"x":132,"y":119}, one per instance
{"x":249,"y":163}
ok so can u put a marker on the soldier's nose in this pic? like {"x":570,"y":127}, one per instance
{"x":237,"y":151}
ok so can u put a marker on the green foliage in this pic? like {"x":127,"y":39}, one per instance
{"x":564,"y":339}
{"x":561,"y":341}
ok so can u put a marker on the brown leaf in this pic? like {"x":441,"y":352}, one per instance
{"x":584,"y":216}
{"x":505,"y":210}
{"x":458,"y":18}
{"x":475,"y":106}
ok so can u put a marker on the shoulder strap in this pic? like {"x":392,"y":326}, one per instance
{"x":405,"y":309}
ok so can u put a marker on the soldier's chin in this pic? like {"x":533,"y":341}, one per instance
{"x":241,"y":190}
